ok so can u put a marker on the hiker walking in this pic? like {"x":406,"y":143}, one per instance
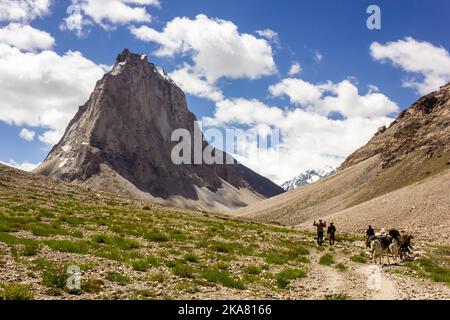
{"x":320,"y":226}
{"x":331,"y":233}
{"x":369,"y":233}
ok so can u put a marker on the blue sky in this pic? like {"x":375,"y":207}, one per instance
{"x":335,"y":30}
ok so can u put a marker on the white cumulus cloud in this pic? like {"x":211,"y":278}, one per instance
{"x":27,"y":135}
{"x":195,"y":84}
{"x":431,"y":63}
{"x":329,"y":97}
{"x":296,"y":68}
{"x":26,"y":37}
{"x":44,"y":89}
{"x":216,"y":46}
{"x":105,"y":13}
{"x":216,"y":49}
{"x":23,"y":10}
{"x":269,"y":34}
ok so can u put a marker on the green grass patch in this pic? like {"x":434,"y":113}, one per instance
{"x":47,"y":231}
{"x":116,"y":241}
{"x":5,"y":228}
{"x":15,"y":292}
{"x":284,"y":277}
{"x":276,"y":257}
{"x":253,"y":269}
{"x":43,"y":264}
{"x":223,"y":278}
{"x":30,"y":250}
{"x":336,"y":296}
{"x":177,"y":235}
{"x":158,"y":277}
{"x":183,"y":271}
{"x":117,"y":278}
{"x":68,"y":246}
{"x":341,"y":267}
{"x":144,"y":264}
{"x":45,"y":213}
{"x":55,"y":278}
{"x":156,"y":236}
{"x":250,"y":278}
{"x":222,"y":265}
{"x":428,"y":268}
{"x":358,"y":258}
{"x":224,"y":247}
{"x":326,"y":260}
{"x":112,"y":254}
{"x":92,"y":285}
{"x":192,"y":257}
{"x":72,"y":220}
{"x":12,"y":240}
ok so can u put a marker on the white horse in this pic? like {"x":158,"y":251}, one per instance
{"x":394,"y":249}
{"x":379,"y":251}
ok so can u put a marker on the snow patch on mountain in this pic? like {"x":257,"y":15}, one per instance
{"x":308,"y":177}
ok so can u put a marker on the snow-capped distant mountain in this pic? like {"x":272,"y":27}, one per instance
{"x":307,"y":177}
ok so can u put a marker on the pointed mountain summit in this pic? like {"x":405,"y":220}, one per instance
{"x":120,"y":141}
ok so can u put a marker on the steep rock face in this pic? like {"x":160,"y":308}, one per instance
{"x":120,"y":140}
{"x":425,"y":126}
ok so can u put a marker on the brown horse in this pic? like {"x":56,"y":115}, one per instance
{"x":400,"y":244}
{"x":406,"y":244}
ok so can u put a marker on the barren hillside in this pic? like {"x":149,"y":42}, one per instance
{"x":399,"y":179}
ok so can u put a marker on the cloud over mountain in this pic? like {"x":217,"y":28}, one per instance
{"x":215,"y":48}
{"x":44,"y":89}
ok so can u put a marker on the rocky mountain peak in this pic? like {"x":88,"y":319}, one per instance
{"x":126,"y":56}
{"x":120,"y":140}
{"x":307,"y":177}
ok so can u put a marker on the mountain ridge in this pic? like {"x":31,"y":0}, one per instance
{"x":307,"y":177}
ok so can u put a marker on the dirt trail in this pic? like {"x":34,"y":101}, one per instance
{"x":379,"y":285}
{"x":366,"y":281}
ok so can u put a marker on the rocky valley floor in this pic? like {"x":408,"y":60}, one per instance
{"x":136,"y":250}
